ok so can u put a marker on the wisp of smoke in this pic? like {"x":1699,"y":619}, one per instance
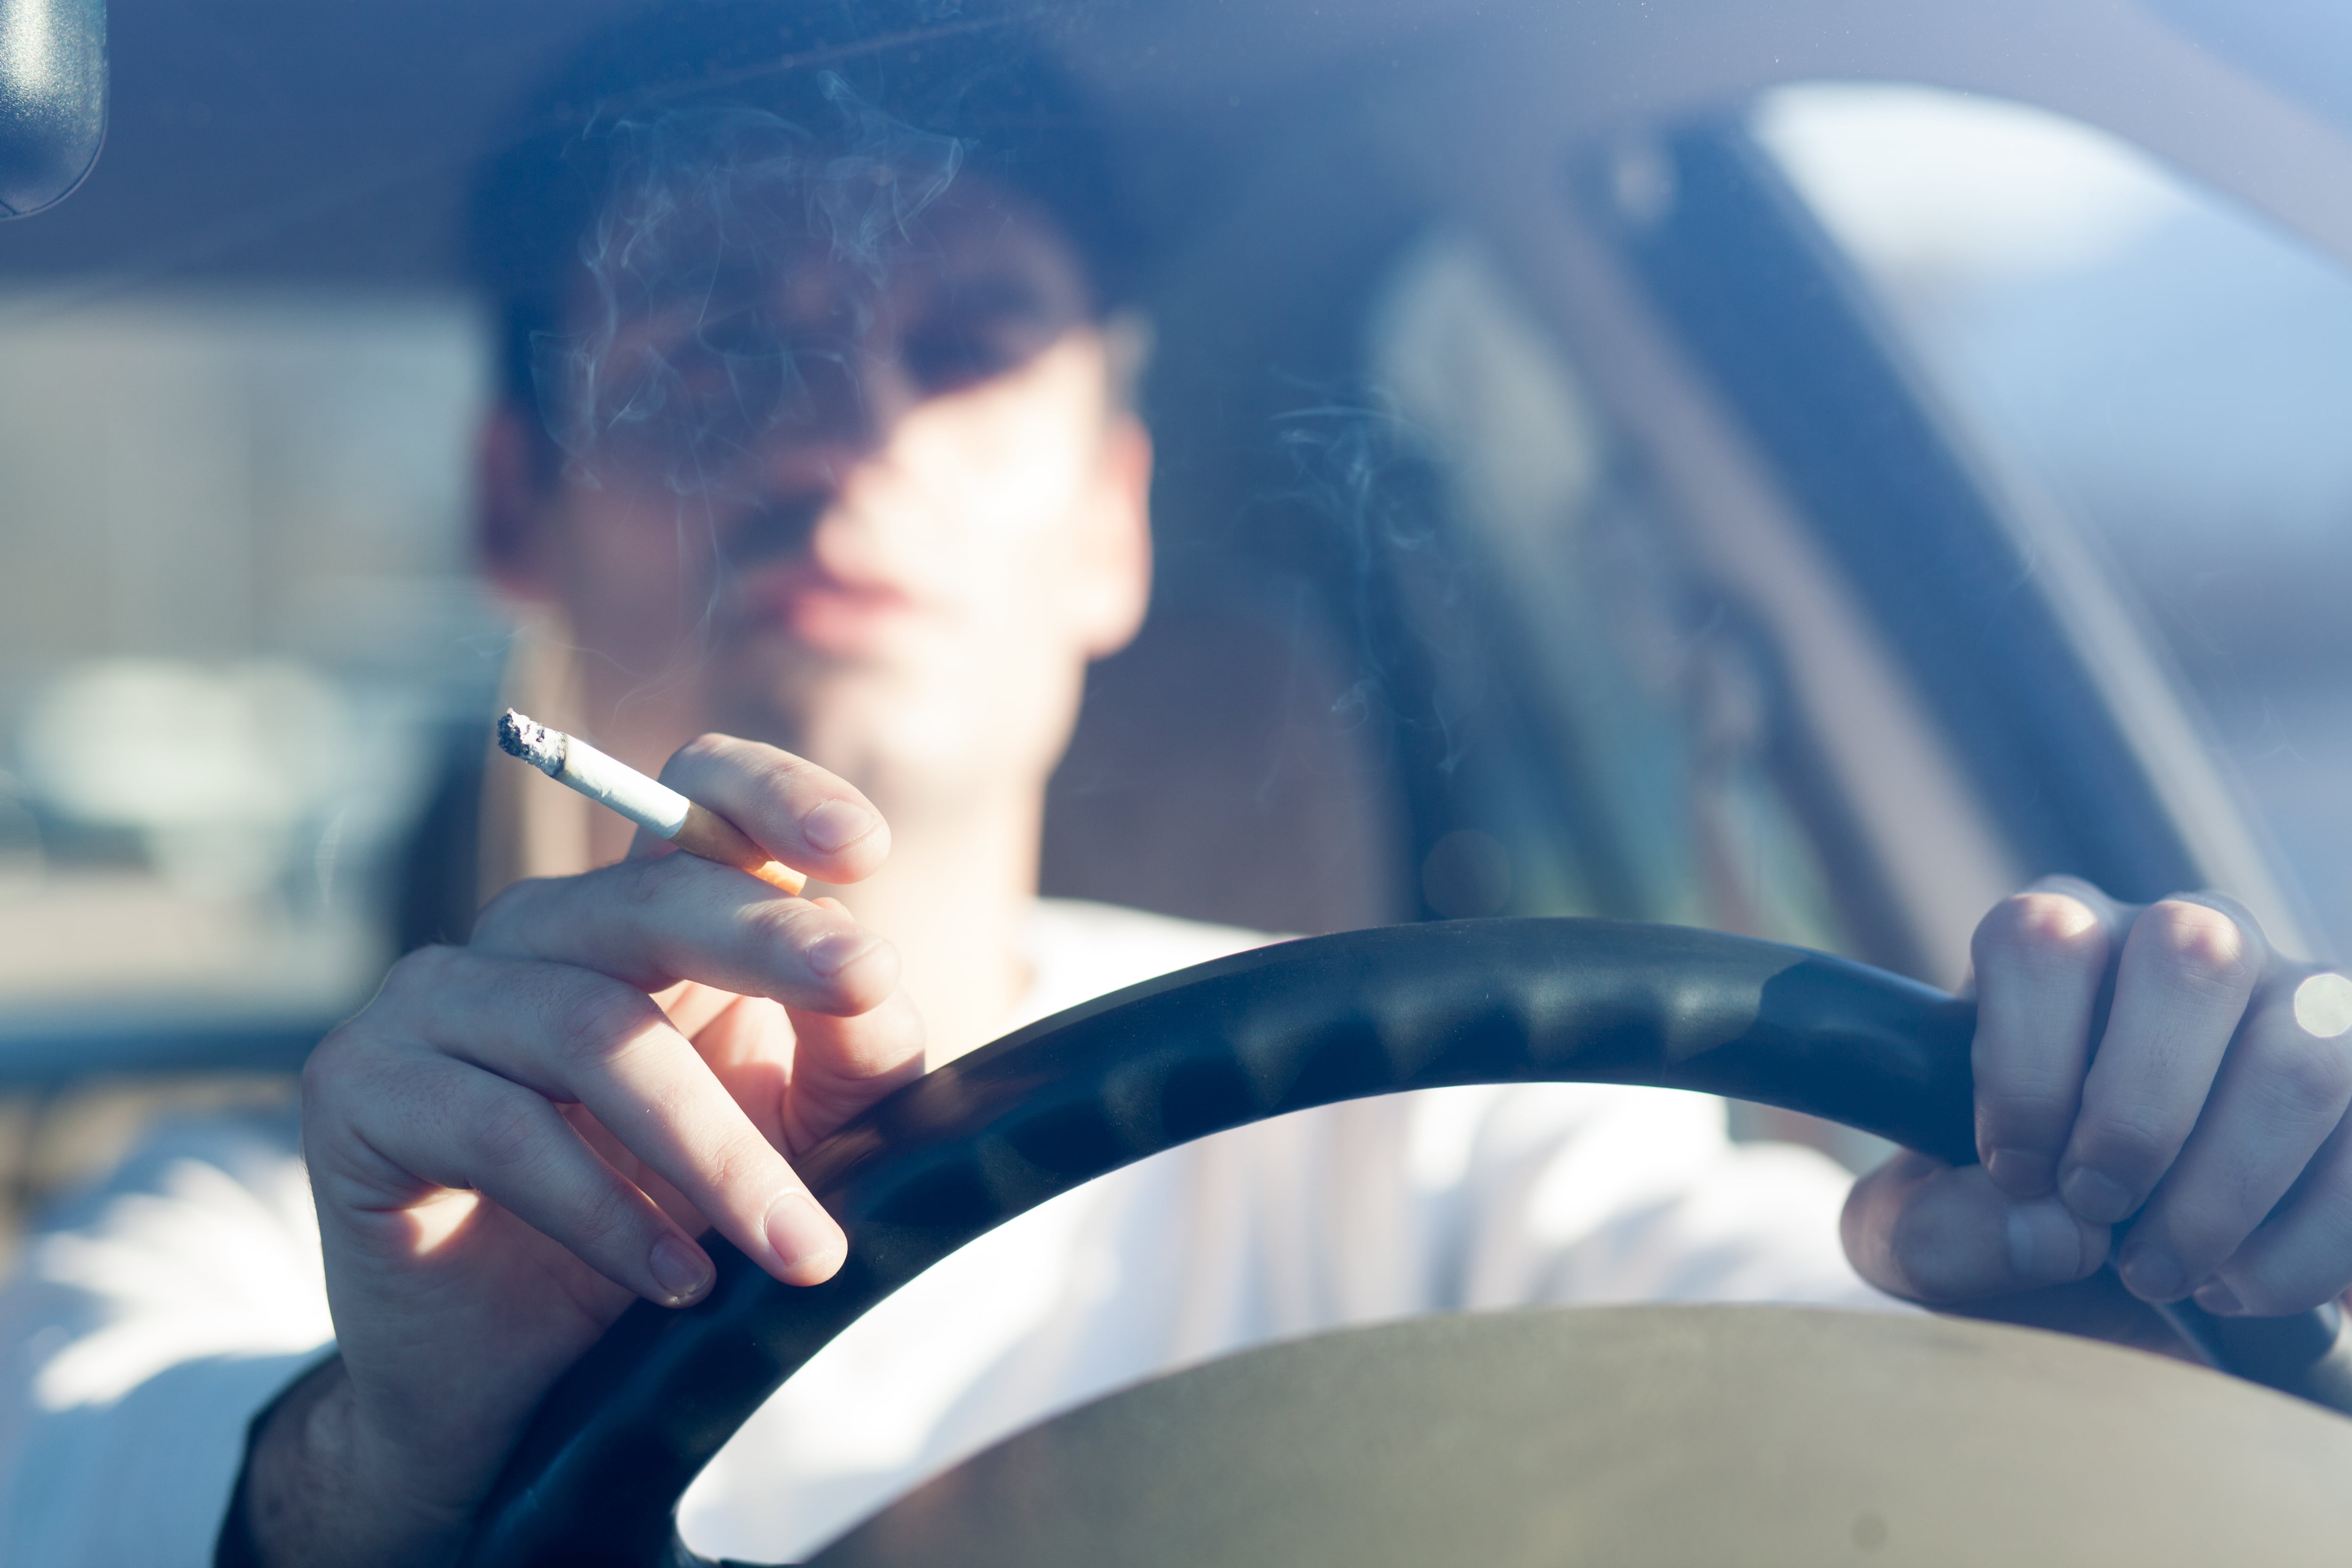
{"x":1363,"y":470}
{"x":676,"y":364}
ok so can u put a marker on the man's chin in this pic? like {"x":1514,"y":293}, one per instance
{"x":778,"y":687}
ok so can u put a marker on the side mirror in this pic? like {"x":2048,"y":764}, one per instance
{"x":52,"y":99}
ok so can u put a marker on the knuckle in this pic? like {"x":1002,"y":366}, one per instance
{"x":2205,"y":1227}
{"x":785,"y":771}
{"x":2205,"y":947}
{"x":507,"y":1134}
{"x":2026,"y":1116}
{"x":707,"y":753}
{"x":779,"y":779}
{"x":787,"y":930}
{"x":654,"y":879}
{"x":608,"y":1222}
{"x":426,"y":971}
{"x":768,"y":767}
{"x":345,"y":1052}
{"x":592,"y":1021}
{"x":725,"y":1166}
{"x":327,"y":1067}
{"x":785,"y":926}
{"x":2232,"y":909}
{"x":2044,"y":926}
{"x":743,"y":1159}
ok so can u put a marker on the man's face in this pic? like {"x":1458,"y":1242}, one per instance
{"x":881,"y":508}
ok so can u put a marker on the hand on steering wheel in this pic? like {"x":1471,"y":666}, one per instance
{"x":2154,"y":1084}
{"x":1263,"y":1032}
{"x":516,"y":1138}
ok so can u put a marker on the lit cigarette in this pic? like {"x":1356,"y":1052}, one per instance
{"x":651,"y":806}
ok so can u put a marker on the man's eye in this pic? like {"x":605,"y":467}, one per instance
{"x":957,"y":353}
{"x":940,"y":362}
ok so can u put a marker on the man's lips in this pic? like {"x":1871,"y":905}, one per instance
{"x":814,"y":606}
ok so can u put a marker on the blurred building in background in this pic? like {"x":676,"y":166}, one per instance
{"x":236,"y":619}
{"x":236,"y":610}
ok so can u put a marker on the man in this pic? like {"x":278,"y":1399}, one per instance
{"x":815,"y":435}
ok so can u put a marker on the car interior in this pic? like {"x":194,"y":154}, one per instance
{"x":1799,"y":468}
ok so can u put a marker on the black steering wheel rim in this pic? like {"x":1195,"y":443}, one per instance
{"x":598,"y":1475}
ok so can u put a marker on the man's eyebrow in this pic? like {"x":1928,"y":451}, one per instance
{"x":995,"y":289}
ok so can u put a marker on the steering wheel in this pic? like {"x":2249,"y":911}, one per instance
{"x":598,"y":1474}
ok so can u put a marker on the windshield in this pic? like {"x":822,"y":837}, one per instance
{"x":1528,"y":534}
{"x":2160,"y":374}
{"x":1676,"y":513}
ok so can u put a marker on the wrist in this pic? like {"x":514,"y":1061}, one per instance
{"x":321,"y":1488}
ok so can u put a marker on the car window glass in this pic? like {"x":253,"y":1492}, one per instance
{"x":2164,"y":374}
{"x":236,"y":553}
{"x":1648,"y":698}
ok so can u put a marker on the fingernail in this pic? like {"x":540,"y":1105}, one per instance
{"x":836,"y":822}
{"x":2097,"y":1198}
{"x":2154,"y":1275}
{"x":2020,"y":1172}
{"x":829,"y":955}
{"x":2044,"y":1243}
{"x":2219,"y":1299}
{"x":681,"y":1269}
{"x":808,"y":1246}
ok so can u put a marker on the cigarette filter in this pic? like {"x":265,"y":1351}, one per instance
{"x":650,"y":804}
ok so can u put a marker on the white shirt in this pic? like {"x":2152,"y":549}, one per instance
{"x":152,"y":1319}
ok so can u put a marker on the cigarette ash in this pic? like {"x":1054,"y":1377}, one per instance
{"x":531,"y":742}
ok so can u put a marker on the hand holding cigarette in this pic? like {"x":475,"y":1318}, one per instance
{"x":651,"y":804}
{"x":517,"y":1137}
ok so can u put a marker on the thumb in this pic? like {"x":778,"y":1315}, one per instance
{"x":1928,"y":1231}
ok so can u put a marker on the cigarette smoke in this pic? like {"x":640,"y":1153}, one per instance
{"x":1363,"y":471}
{"x":676,"y":367}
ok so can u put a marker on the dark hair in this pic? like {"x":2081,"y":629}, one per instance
{"x":815,"y":70}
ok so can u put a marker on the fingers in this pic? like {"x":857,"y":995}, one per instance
{"x":801,"y":1076}
{"x":2211,"y":1114}
{"x":482,"y":1068}
{"x":2040,"y":960}
{"x":2279,"y":1098}
{"x":794,"y":809}
{"x":652,"y":922}
{"x":2296,"y":1259}
{"x":453,"y":1126}
{"x":565,"y":1034}
{"x":1929,"y":1232}
{"x":2186,"y":971}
